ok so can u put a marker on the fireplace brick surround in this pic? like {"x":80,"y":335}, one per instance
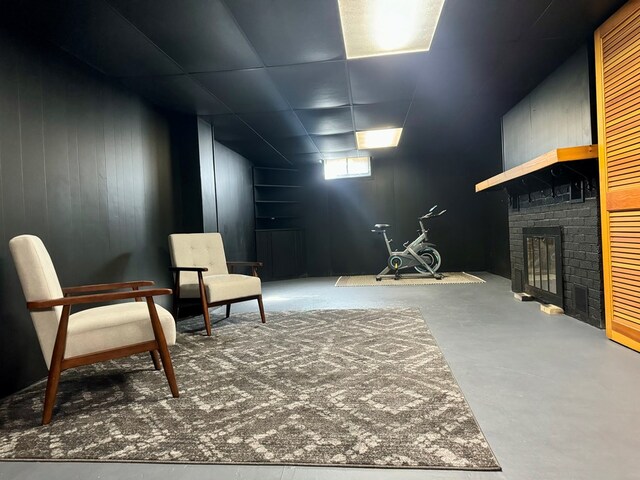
{"x":581,"y":246}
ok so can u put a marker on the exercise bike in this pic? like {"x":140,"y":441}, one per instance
{"x":419,"y":254}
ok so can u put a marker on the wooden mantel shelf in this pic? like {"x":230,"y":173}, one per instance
{"x":553,"y":157}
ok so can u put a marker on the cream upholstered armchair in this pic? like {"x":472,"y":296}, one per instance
{"x":202,"y":272}
{"x":93,"y":335}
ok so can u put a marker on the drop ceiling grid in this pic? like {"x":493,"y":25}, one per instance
{"x":243,"y":95}
{"x":485,"y":56}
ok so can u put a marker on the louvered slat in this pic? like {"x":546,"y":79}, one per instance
{"x":625,"y":261}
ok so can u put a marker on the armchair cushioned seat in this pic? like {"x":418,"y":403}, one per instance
{"x":224,"y":287}
{"x":104,"y":328}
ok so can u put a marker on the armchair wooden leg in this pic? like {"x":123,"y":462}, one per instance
{"x":55,"y":367}
{"x":155,"y":359}
{"x":261,"y":309}
{"x":50,"y":393}
{"x":228,"y":310}
{"x":176,"y":296}
{"x":205,"y":305}
{"x":162,"y":347}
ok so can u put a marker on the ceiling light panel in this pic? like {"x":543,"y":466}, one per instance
{"x":384,"y":27}
{"x":384,"y":138}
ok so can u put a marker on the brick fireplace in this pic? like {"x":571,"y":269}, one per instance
{"x":578,"y":222}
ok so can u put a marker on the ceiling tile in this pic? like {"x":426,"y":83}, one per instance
{"x":201,"y":35}
{"x":230,"y":128}
{"x":294,"y":145}
{"x":291,"y":31}
{"x":234,"y":133}
{"x":326,"y":121}
{"x":334,"y":143}
{"x":462,"y":22}
{"x":384,"y":79}
{"x":451,"y":73}
{"x":275,"y":124}
{"x":259,"y":153}
{"x":553,"y":23}
{"x":176,"y":92}
{"x":380,"y":115}
{"x":432,"y":115}
{"x":96,"y":34}
{"x":244,"y":91}
{"x":313,"y":85}
{"x":305,"y":157}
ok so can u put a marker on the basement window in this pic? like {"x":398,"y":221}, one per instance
{"x":347,"y":167}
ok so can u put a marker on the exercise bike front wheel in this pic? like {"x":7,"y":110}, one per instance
{"x":431,"y":257}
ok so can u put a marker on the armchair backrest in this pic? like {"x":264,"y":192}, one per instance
{"x":198,"y":250}
{"x":39,"y":282}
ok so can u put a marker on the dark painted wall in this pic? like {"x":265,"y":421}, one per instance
{"x":207,"y":177}
{"x":341,"y":213}
{"x":85,"y":166}
{"x":557,"y":113}
{"x":185,"y":152}
{"x":234,"y":192}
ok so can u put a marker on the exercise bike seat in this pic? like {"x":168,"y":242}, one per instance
{"x":381,"y":226}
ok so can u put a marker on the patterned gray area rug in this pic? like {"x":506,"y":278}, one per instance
{"x":450,"y":278}
{"x":323,"y":387}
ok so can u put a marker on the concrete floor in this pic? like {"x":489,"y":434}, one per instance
{"x":554,"y":397}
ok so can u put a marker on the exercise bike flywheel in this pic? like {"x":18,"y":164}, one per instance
{"x":431,"y":257}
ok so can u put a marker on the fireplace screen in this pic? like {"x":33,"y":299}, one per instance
{"x":543,"y":264}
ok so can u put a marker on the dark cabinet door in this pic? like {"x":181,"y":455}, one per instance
{"x":282,"y":252}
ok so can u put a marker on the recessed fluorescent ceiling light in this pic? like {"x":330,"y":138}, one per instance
{"x":385,"y":27}
{"x":388,"y":137}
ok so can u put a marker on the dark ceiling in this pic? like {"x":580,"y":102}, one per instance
{"x":272,"y":76}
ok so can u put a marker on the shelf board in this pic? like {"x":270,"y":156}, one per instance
{"x":277,"y":201}
{"x":276,"y":186}
{"x":559,"y":155}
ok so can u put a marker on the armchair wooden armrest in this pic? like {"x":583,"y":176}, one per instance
{"x":254,"y":266}
{"x":96,"y":298}
{"x":106,"y":286}
{"x":188,"y":269}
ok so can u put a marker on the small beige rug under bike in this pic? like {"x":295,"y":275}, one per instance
{"x":370,"y":280}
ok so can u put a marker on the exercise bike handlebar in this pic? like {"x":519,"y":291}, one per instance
{"x":430,"y":214}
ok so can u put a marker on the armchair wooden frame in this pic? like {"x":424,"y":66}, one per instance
{"x":85,"y":295}
{"x":203,"y":293}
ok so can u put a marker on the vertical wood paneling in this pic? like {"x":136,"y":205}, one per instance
{"x":556,"y":114}
{"x":56,"y":149}
{"x":10,"y":143}
{"x":31,"y":141}
{"x":87,"y":167}
{"x":234,"y":187}
{"x":207,"y":177}
{"x":617,"y":46}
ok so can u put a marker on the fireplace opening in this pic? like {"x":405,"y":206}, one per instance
{"x":543,"y":264}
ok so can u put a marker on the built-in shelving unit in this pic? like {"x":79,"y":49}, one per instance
{"x":277,"y":198}
{"x":279,"y":223}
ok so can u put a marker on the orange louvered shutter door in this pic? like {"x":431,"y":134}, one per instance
{"x":618,"y":98}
